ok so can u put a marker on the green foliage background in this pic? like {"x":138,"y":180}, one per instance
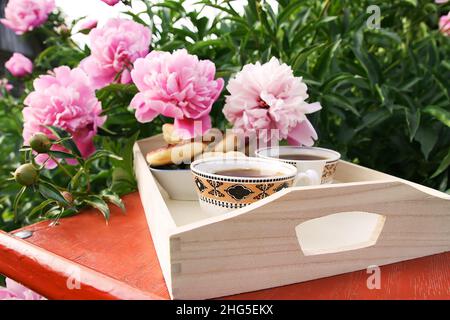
{"x":384,"y":92}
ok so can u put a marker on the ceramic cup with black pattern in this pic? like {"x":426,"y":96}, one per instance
{"x":318,"y":164}
{"x":220,"y":191}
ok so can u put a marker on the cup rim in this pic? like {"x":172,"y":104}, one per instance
{"x":336,"y":157}
{"x":244,"y":179}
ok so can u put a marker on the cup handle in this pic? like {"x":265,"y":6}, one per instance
{"x":307,"y":178}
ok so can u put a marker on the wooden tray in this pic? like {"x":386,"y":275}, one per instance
{"x":365,"y":218}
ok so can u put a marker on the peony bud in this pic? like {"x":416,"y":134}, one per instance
{"x":68,"y":196}
{"x":26,"y":175}
{"x":40,"y":143}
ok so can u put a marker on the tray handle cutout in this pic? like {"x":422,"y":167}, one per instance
{"x":338,"y":232}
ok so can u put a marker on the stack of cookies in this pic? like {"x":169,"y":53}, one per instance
{"x":180,"y":152}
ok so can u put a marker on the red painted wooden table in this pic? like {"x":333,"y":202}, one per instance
{"x":118,"y":261}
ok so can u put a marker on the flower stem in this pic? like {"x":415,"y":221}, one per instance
{"x":61,"y":166}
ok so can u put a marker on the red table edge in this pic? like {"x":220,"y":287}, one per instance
{"x":48,"y":274}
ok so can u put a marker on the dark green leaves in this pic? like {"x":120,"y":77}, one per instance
{"x":40,"y":207}
{"x":68,"y":144}
{"x":443,"y":166}
{"x":439,"y":114}
{"x":113,"y":198}
{"x":17,"y":200}
{"x":48,"y":191}
{"x":99,"y":204}
{"x":60,"y":154}
{"x":413,"y":122}
{"x":324,"y":61}
{"x":99,"y":154}
{"x":427,"y":137}
{"x":300,"y":58}
{"x":341,"y":102}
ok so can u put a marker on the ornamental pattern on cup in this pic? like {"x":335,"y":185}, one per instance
{"x":328,"y":171}
{"x":236,"y":193}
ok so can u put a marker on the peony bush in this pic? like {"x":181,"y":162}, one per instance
{"x":178,"y":86}
{"x":114,"y":48}
{"x":313,"y":70}
{"x":268,"y":96}
{"x":64,"y":99}
{"x":22,"y":16}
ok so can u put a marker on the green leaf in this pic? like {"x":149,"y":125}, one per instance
{"x":60,"y":154}
{"x":127,"y":155}
{"x":324,"y":61}
{"x":438,"y":113}
{"x":303,"y":54}
{"x":327,"y":19}
{"x":374,"y":118}
{"x":68,"y":212}
{"x":366,"y":59}
{"x":48,"y":191}
{"x":339,"y":79}
{"x":98,"y":203}
{"x":388,"y":34}
{"x":443,"y":166}
{"x":411,"y":2}
{"x":75,"y":179}
{"x":135,"y":17}
{"x":215,"y":43}
{"x":113,"y":198}
{"x":427,"y":138}
{"x":39,"y":207}
{"x":289,"y":10}
{"x":413,"y":122}
{"x":17,"y":200}
{"x":102,"y":154}
{"x":340,"y":101}
{"x":68,"y":144}
{"x":106,"y":132}
{"x":174,"y":5}
{"x":410,"y":84}
{"x":122,"y":181}
{"x":53,"y":212}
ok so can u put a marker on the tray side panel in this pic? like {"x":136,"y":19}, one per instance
{"x":259,"y":249}
{"x":157,"y":214}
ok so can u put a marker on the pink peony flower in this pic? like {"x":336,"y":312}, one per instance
{"x":66,"y":100}
{"x":176,"y":85}
{"x":19,"y":65}
{"x":25,"y":15}
{"x":269,"y":101}
{"x":111,"y":2}
{"x":88,"y":25}
{"x":440,"y":1}
{"x":114,"y":48}
{"x":444,"y":24}
{"x":16,"y":291}
{"x":5,"y":86}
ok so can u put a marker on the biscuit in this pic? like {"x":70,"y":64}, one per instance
{"x":169,"y":134}
{"x":175,"y":154}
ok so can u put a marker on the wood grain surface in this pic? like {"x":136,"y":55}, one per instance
{"x":120,"y":263}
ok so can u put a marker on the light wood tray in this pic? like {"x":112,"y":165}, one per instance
{"x":365,"y":218}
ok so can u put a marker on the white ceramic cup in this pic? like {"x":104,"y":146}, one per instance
{"x":310,"y":172}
